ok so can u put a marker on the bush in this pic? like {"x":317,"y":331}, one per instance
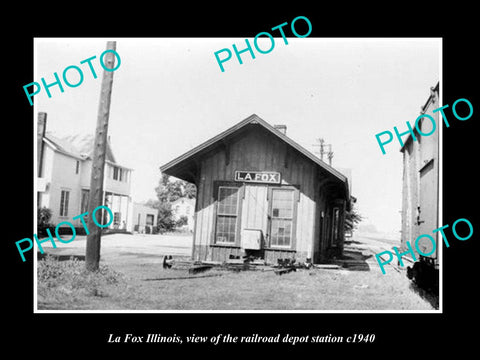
{"x":67,"y":230}
{"x":43,"y":221}
{"x":183,"y":220}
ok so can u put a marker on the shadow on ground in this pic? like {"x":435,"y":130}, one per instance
{"x":430,"y":295}
{"x":354,"y":260}
{"x":348,"y":242}
{"x":41,"y":256}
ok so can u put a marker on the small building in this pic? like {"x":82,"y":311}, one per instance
{"x":63,"y":183}
{"x":259,"y":193}
{"x":420,"y":180}
{"x":144,"y":218}
{"x":184,"y":207}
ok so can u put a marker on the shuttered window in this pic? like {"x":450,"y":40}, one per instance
{"x":227,"y":214}
{"x":64,"y":197}
{"x":84,"y":202}
{"x":282,"y":210}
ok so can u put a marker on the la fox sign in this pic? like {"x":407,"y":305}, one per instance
{"x":268,"y":177}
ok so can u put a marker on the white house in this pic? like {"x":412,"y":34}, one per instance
{"x":144,"y":218}
{"x":64,"y":180}
{"x":184,"y":207}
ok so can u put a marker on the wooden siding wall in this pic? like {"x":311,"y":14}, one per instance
{"x":262,"y":152}
{"x":320,"y":244}
{"x":255,"y":200}
{"x":418,"y":191}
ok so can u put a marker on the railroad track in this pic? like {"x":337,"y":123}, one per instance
{"x":371,"y":247}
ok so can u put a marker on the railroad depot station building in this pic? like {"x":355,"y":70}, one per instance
{"x":259,"y":193}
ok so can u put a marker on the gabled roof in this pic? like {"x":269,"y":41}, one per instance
{"x":176,"y":164}
{"x":77,"y":146}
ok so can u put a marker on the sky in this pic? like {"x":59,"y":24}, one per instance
{"x":169,"y":95}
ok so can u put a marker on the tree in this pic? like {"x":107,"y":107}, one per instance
{"x":169,"y":190}
{"x":165,"y":217}
{"x":183,"y":220}
{"x":43,"y":220}
{"x":165,"y":221}
{"x":190,"y":190}
{"x":352,"y":218}
{"x":153,"y":203}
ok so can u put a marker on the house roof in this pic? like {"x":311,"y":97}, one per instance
{"x":79,"y":146}
{"x":177,"y":166}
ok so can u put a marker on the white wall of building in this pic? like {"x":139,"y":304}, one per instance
{"x":184,"y":207}
{"x":60,"y":173}
{"x":140,"y":214}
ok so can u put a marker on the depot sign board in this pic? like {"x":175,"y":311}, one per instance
{"x":265,"y":177}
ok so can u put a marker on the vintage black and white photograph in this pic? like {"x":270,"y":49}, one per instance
{"x":269,"y":174}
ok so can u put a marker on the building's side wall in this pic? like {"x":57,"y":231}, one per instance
{"x":121,"y":187}
{"x":60,"y":173}
{"x":428,"y":174}
{"x":319,"y":245}
{"x":184,"y":207}
{"x":48,"y":159}
{"x":63,"y":177}
{"x":139,"y":216}
{"x":409,"y":194}
{"x":420,"y":182}
{"x":86,"y":173}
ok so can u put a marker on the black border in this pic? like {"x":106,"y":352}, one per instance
{"x":410,"y":334}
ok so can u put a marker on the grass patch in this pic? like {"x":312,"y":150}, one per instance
{"x":301,"y":290}
{"x":135,"y":280}
{"x":68,"y":283}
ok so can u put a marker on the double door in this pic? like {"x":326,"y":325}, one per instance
{"x":267,"y":210}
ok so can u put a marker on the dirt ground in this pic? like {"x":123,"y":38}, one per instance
{"x":116,"y":246}
{"x":144,"y":285}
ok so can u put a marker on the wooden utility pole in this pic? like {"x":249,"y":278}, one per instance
{"x":330,"y":154}
{"x":41,"y":127}
{"x":92,"y":256}
{"x":321,"y":144}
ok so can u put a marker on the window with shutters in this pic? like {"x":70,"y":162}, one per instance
{"x":227,"y":215}
{"x":282,"y":217}
{"x":64,"y":197}
{"x":84,"y":200}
